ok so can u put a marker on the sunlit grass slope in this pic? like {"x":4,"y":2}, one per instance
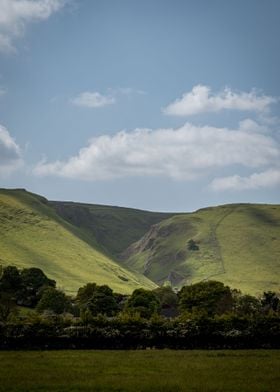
{"x":32,"y":234}
{"x":238,"y":244}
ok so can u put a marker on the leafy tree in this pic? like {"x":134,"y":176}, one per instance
{"x":86,"y":292}
{"x":210,"y":298}
{"x":144,"y":302}
{"x":270,"y":301}
{"x":102,"y":303}
{"x":168,"y":301}
{"x":34,"y":279}
{"x":7,"y":307}
{"x":192,"y":245}
{"x":54,"y":300}
{"x":97,"y":299}
{"x":10,"y":279}
{"x":246,"y":305}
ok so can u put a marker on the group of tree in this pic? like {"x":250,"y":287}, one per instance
{"x":201,"y":312}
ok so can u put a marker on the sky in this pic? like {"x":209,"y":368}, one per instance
{"x":164,"y":105}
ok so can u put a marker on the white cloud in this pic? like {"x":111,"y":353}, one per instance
{"x":16,"y":14}
{"x":266,"y":179}
{"x":93,"y":100}
{"x":10,"y":154}
{"x":200,"y":100}
{"x":183,"y":154}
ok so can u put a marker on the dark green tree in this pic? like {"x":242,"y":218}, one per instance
{"x":10,"y":280}
{"x":246,"y":305}
{"x":270,"y":301}
{"x":34,"y":279}
{"x":97,"y":299}
{"x":168,"y":301}
{"x":192,"y":245}
{"x":86,"y":292}
{"x":144,"y":302}
{"x":53,"y":300}
{"x":211,"y":298}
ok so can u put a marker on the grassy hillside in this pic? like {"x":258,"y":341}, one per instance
{"x":114,"y":228}
{"x":32,"y":234}
{"x":237,"y":244}
{"x":76,"y":243}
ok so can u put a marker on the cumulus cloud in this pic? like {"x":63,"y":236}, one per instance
{"x":201,"y":100}
{"x":183,"y":153}
{"x":10,"y":154}
{"x":93,"y":100}
{"x":266,"y":179}
{"x":16,"y":14}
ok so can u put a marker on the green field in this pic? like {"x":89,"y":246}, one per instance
{"x":149,"y":371}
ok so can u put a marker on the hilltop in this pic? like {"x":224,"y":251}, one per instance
{"x":237,"y":244}
{"x":33,"y":235}
{"x":75,"y":243}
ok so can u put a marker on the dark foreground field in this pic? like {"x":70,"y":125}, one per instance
{"x":150,"y":370}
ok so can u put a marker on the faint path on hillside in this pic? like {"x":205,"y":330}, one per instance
{"x":215,"y":240}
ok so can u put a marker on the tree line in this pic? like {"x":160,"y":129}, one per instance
{"x":208,"y":314}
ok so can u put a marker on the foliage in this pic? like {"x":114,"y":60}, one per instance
{"x":246,"y":305}
{"x":143,"y":302}
{"x":270,"y":301}
{"x":34,"y":279}
{"x":53,"y":300}
{"x":168,"y":301}
{"x":10,"y":280}
{"x":96,"y":300}
{"x":192,"y":245}
{"x":210,"y":297}
{"x":24,"y":286}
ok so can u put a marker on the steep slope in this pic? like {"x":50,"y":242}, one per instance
{"x":237,"y":244}
{"x":113,"y":228}
{"x":32,"y":234}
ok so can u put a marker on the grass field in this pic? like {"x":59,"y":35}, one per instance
{"x":149,"y":371}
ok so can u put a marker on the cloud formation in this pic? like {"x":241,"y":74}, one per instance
{"x":266,"y":179}
{"x":93,"y":100}
{"x":201,"y":100}
{"x":184,"y":153}
{"x":16,"y":14}
{"x":10,"y":154}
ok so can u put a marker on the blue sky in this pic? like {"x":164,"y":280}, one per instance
{"x":159,"y":105}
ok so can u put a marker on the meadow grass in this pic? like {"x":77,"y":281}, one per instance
{"x":147,"y":371}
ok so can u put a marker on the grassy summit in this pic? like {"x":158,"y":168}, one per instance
{"x":32,"y":234}
{"x":76,"y":243}
{"x":236,"y":244}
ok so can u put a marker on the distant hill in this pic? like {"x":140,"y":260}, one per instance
{"x":32,"y":234}
{"x":113,"y":228}
{"x":76,"y":243}
{"x":237,"y":244}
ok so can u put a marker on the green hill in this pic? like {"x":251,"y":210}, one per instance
{"x":113,"y":228}
{"x":32,"y":234}
{"x":237,"y":244}
{"x":75,"y":243}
